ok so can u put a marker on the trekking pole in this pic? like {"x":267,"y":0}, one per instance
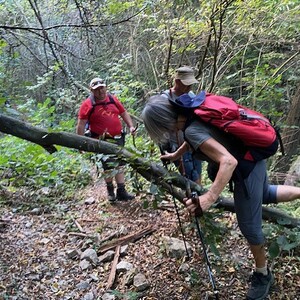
{"x":133,"y":136}
{"x":195,"y":199}
{"x":165,"y":164}
{"x":180,"y":225}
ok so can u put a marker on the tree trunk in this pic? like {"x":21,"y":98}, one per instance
{"x":290,"y":139}
{"x":174,"y":183}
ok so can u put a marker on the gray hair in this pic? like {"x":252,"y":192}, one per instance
{"x":160,"y":118}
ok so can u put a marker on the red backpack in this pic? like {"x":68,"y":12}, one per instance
{"x":252,"y":128}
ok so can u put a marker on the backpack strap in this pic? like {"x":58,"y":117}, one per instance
{"x":94,"y":104}
{"x":167,"y":93}
{"x":277,"y":129}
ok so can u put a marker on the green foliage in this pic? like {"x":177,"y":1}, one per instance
{"x":194,"y":278}
{"x":46,"y":78}
{"x":126,"y":296}
{"x":48,"y":114}
{"x":214,"y":231}
{"x":25,"y":164}
{"x":281,"y":240}
{"x":146,"y":150}
{"x":292,"y":208}
{"x":3,"y":44}
{"x":122,"y":82}
{"x":116,"y":7}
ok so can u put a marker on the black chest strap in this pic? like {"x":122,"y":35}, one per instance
{"x":94,"y":104}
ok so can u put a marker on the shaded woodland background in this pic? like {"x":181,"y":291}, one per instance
{"x":51,"y":49}
{"x":248,"y":50}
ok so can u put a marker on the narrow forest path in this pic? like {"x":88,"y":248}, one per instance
{"x":35,"y":247}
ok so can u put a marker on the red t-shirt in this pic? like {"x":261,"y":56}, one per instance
{"x":105,"y":117}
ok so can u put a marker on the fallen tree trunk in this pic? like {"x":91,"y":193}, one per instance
{"x":151,"y":171}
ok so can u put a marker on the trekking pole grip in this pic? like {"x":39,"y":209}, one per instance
{"x":195,"y":200}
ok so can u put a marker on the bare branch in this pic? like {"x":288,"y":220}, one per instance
{"x":277,"y":71}
{"x":82,"y":25}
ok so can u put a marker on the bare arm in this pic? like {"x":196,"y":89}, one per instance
{"x":127,"y":119}
{"x":177,"y":154}
{"x":227,"y":164}
{"x":80,"y":126}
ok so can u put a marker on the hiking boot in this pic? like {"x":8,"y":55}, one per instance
{"x":259,"y":286}
{"x":111,"y":193}
{"x":122,"y":195}
{"x":112,"y":197}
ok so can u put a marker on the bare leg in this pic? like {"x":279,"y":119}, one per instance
{"x":287,"y":193}
{"x":120,"y":177}
{"x":108,"y":180}
{"x":259,"y":254}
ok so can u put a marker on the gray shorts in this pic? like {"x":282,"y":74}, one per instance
{"x":248,"y":205}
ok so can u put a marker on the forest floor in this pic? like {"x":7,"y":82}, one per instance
{"x":34,"y":247}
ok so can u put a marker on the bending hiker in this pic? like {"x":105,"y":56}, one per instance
{"x":251,"y":187}
{"x":188,"y":165}
{"x":101,"y":111}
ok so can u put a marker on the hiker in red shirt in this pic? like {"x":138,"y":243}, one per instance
{"x":102,"y":112}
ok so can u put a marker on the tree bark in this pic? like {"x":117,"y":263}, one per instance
{"x":173,"y":183}
{"x":290,"y":139}
{"x":112,"y":275}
